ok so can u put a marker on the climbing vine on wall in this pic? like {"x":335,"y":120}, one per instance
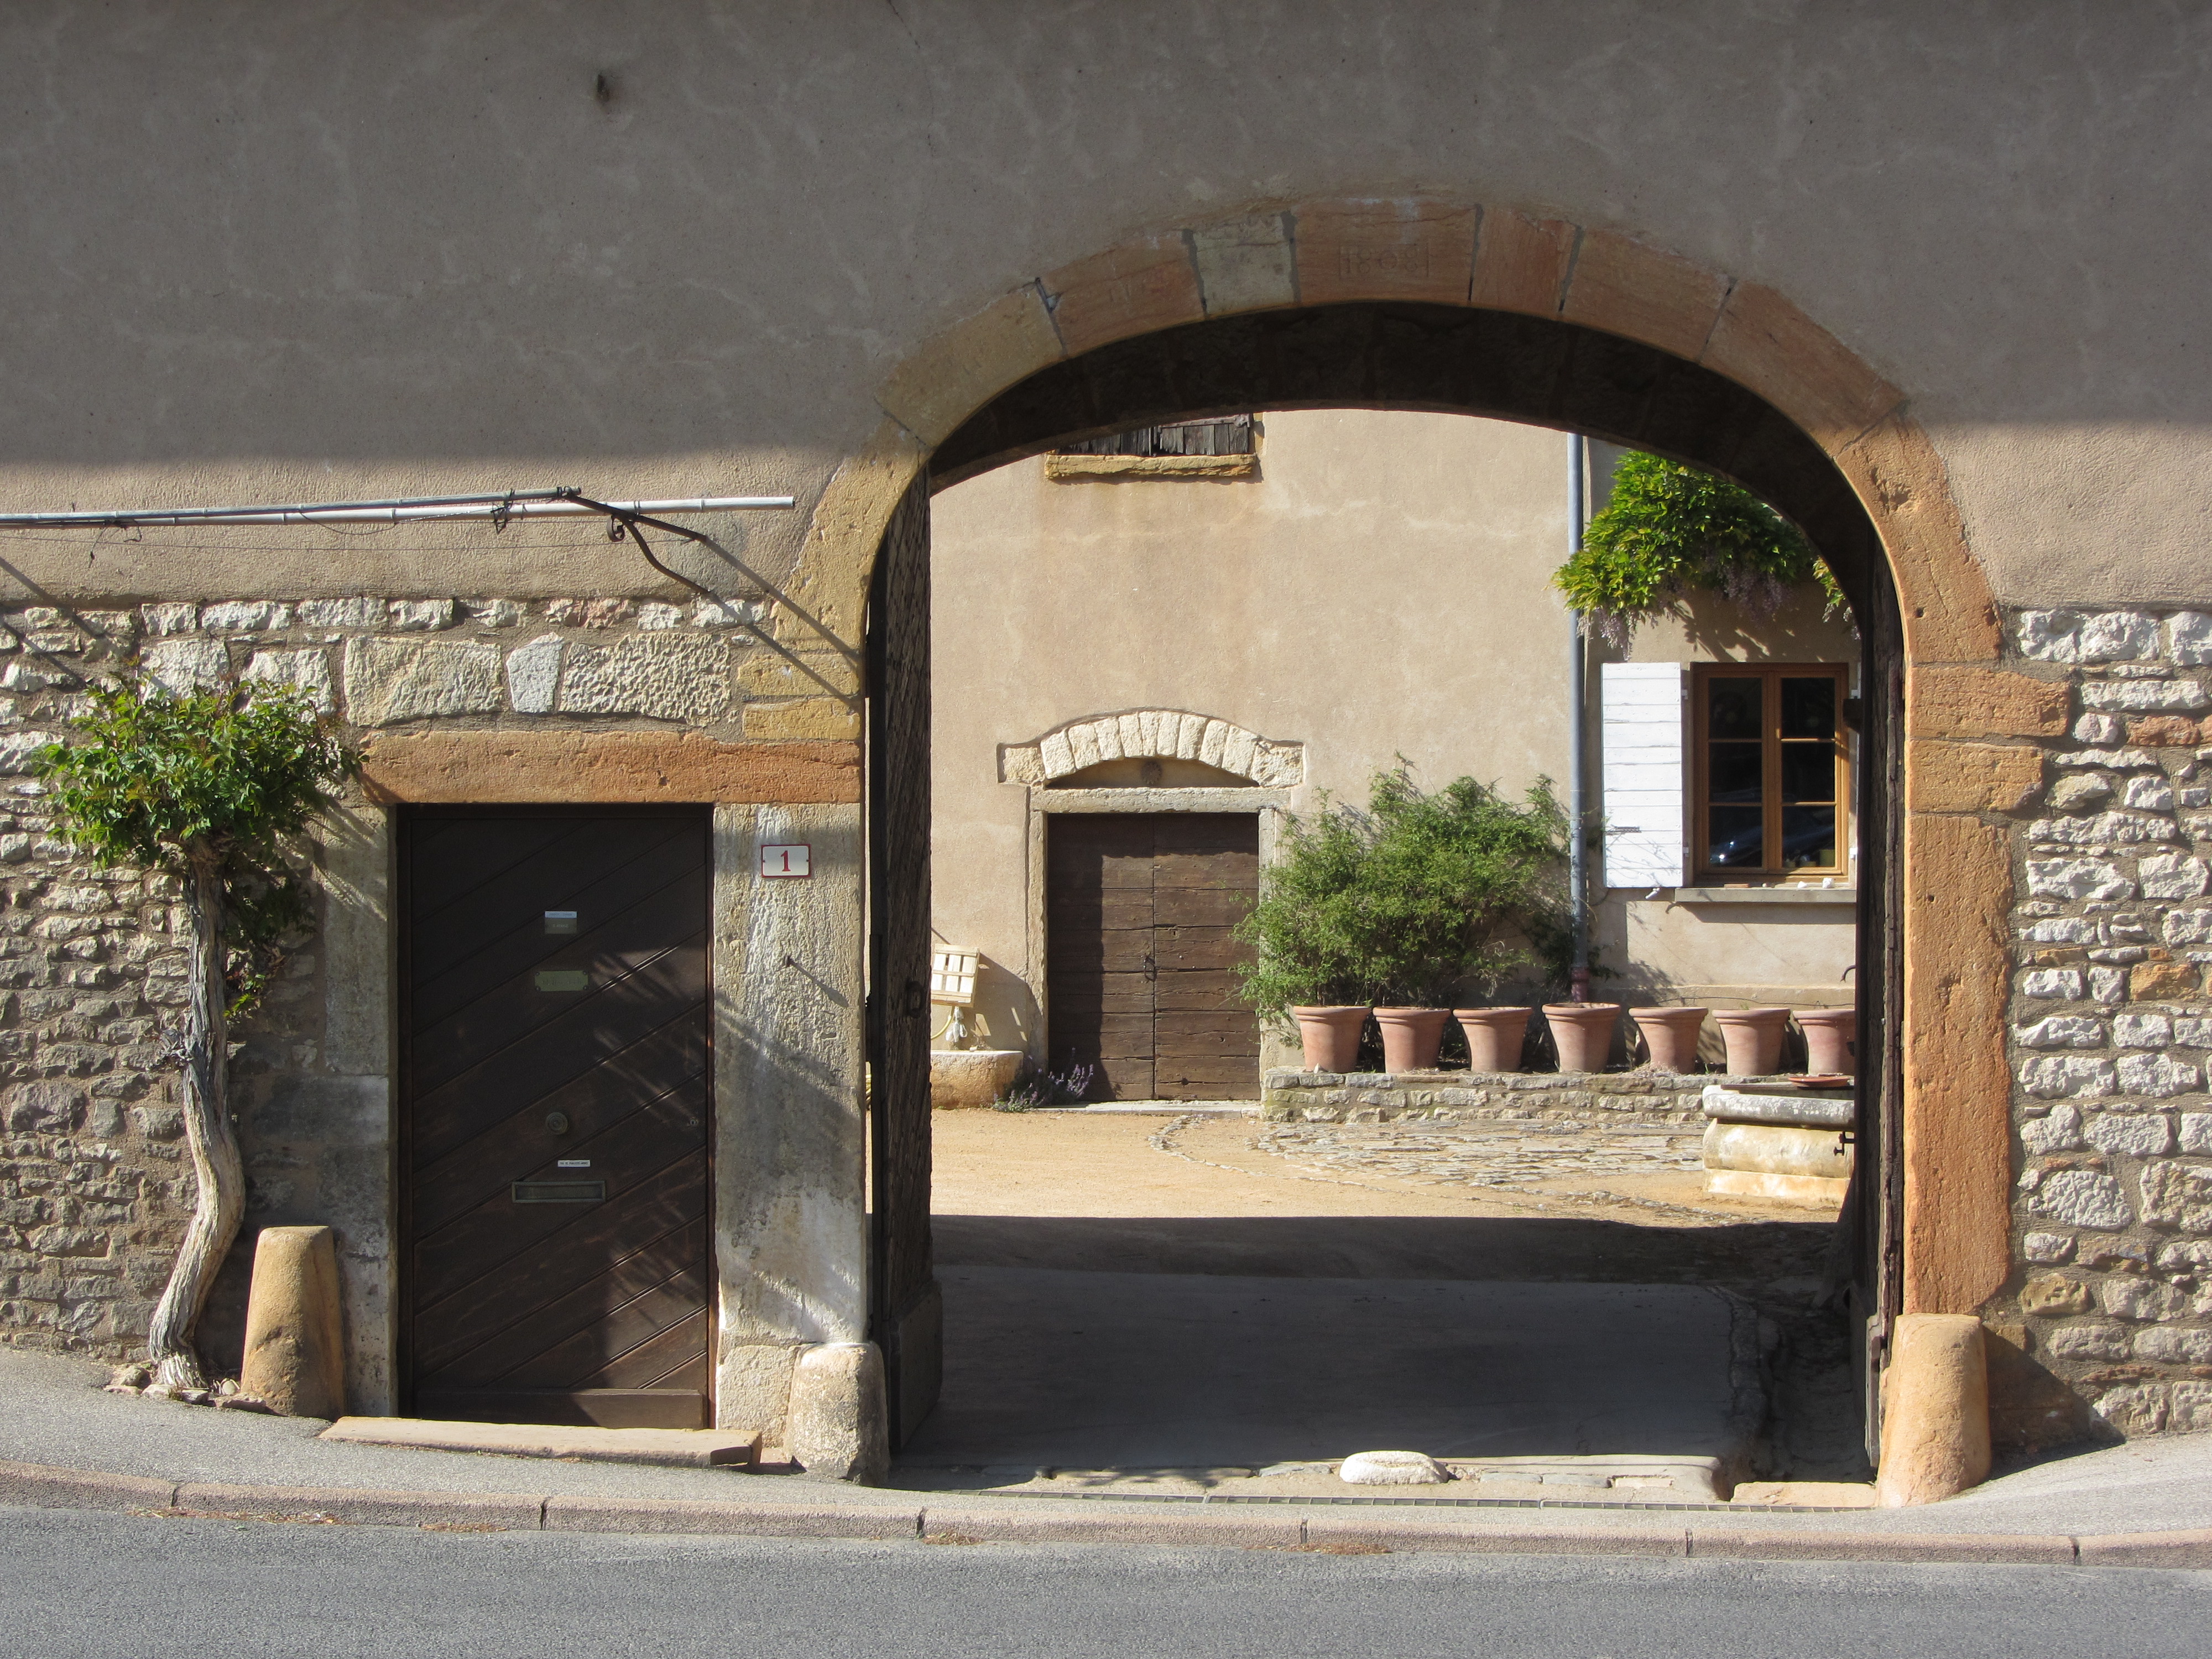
{"x":210,"y":787}
{"x":1672,"y":530}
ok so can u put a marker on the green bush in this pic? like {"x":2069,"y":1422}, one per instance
{"x":210,"y":787}
{"x":164,"y":780}
{"x":1671,"y":529}
{"x":1410,"y":902}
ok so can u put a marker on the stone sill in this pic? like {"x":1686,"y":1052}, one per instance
{"x":1070,"y":469}
{"x":1788,"y":894}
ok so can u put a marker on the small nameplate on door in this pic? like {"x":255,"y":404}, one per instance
{"x":560,"y":922}
{"x":564,"y":979}
{"x":560,"y":1192}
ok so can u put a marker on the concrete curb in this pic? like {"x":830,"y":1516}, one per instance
{"x":36,"y":1486}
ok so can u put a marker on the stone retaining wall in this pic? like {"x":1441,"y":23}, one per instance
{"x":2111,"y":1029}
{"x":1480,"y":1097}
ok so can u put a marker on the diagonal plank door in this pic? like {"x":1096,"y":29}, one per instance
{"x":1141,"y":961}
{"x":555,"y":1073}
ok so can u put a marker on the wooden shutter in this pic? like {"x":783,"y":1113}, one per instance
{"x":1640,"y":743}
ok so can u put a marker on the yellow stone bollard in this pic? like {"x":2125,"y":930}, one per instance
{"x":839,"y":1428}
{"x":295,"y":1333}
{"x":1936,"y":1411}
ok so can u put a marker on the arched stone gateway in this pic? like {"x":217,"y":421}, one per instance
{"x":1153,"y":734}
{"x":1502,"y":312}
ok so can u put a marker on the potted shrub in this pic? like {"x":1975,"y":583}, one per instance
{"x":1406,"y":903}
{"x":1494,"y":1036}
{"x":1831,"y":1040}
{"x":1458,"y":884}
{"x":1307,"y":932}
{"x":1581,"y":1032}
{"x":1671,"y":1034}
{"x":1753,"y":1037}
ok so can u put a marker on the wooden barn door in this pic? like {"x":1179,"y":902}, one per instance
{"x":1141,"y":961}
{"x":905,"y":1313}
{"x":556,"y":1079}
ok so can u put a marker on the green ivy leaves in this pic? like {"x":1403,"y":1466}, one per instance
{"x":156,"y":776}
{"x":1671,"y":529}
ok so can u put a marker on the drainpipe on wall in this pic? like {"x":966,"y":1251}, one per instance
{"x":1578,"y":977}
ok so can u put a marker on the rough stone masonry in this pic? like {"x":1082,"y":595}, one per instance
{"x":2110,"y":1027}
{"x":2111,"y":1033}
{"x":95,"y":1189}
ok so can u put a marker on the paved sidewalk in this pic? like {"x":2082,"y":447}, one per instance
{"x":2091,"y":1508}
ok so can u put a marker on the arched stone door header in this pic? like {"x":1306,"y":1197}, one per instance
{"x":1153,"y":734}
{"x":1500,"y":259}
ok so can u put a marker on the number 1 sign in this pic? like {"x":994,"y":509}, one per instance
{"x":783,"y":860}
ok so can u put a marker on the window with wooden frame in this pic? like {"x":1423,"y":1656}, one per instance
{"x":1771,"y":795}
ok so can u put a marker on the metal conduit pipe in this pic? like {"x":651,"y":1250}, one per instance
{"x":406,"y":509}
{"x":1578,"y":977}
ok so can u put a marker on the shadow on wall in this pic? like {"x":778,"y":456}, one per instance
{"x":1005,"y":1015}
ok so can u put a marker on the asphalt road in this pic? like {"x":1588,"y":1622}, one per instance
{"x":74,"y":1583}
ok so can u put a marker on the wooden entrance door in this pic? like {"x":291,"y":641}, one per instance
{"x":1140,"y":965}
{"x":555,"y":1073}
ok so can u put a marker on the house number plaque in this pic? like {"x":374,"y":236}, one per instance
{"x":786,"y":861}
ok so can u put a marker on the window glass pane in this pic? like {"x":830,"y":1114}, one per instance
{"x":1808,"y":837}
{"x":1734,"y":771}
{"x":1732,"y":709}
{"x":1735,"y":837}
{"x":1808,"y":772}
{"x":1809,"y":707}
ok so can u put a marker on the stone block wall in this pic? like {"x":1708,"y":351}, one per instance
{"x":1295,"y":1096}
{"x":383,"y":663}
{"x":94,"y":1186}
{"x":2111,"y":1029}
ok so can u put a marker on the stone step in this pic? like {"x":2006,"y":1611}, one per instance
{"x":687,"y":1448}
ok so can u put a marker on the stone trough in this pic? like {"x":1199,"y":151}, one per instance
{"x":1787,"y":1146}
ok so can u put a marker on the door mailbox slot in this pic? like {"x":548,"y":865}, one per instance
{"x":560,"y":1192}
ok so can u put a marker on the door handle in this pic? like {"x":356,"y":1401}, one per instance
{"x":1151,"y":967}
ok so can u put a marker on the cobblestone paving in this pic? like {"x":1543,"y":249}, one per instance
{"x":1509,"y":1155}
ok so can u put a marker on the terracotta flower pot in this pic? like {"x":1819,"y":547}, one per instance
{"x":1493,"y":1036}
{"x":1829,"y":1044}
{"x":1330,"y":1036}
{"x":1410,"y":1037}
{"x":1583,"y":1033}
{"x":1671,"y":1034}
{"x":1753,"y":1037}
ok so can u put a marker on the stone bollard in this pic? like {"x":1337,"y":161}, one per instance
{"x":839,"y":1428}
{"x":1936,"y":1410}
{"x":294,"y":1333}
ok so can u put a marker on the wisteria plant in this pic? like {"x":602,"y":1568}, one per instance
{"x":211,"y":786}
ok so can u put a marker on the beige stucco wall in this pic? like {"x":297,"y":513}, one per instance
{"x":277,"y":252}
{"x":1662,"y":947}
{"x":1381,"y":587}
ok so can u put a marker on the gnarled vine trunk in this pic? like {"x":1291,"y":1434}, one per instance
{"x":215,"y":1163}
